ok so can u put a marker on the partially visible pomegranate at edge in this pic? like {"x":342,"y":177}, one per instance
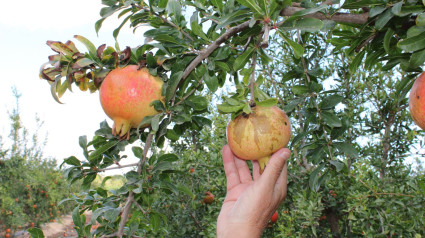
{"x":126,"y":95}
{"x":417,"y":101}
{"x":256,"y":136}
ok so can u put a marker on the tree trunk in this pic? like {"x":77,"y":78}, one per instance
{"x":333,"y":221}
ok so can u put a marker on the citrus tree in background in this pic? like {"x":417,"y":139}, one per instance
{"x":30,"y":184}
{"x":340,"y":70}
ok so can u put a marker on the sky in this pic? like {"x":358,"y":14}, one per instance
{"x":24,"y":30}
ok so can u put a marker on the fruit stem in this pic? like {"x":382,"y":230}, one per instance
{"x":263,"y":162}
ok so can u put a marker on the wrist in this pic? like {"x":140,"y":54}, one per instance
{"x":240,"y":230}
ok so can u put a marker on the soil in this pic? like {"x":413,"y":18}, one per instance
{"x":63,"y":227}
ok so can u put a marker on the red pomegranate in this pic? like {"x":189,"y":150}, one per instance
{"x":126,"y":95}
{"x":417,"y":101}
{"x":256,"y":136}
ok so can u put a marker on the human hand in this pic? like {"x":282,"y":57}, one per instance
{"x":251,"y":200}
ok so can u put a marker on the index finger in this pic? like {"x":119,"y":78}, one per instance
{"x":230,"y":168}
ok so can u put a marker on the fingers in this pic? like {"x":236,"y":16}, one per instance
{"x":243,"y":170}
{"x":230,"y":168}
{"x":274,"y":168}
{"x":282,"y":182}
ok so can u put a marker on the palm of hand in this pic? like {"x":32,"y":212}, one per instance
{"x":251,"y":200}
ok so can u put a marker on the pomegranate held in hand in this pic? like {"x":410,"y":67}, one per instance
{"x":126,"y":95}
{"x":256,"y":136}
{"x":417,"y":101}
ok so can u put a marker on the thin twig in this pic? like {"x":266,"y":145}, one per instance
{"x":130,"y":199}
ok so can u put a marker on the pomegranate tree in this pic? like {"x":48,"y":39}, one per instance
{"x":417,"y":101}
{"x":256,"y":136}
{"x":126,"y":96}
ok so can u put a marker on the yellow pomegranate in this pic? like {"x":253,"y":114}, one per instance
{"x":256,"y":136}
{"x":126,"y":95}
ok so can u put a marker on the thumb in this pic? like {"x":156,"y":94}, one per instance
{"x":274,"y":167}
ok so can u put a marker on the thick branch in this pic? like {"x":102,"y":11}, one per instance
{"x":353,"y":18}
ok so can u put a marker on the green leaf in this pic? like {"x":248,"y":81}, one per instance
{"x":172,"y":85}
{"x":218,"y":4}
{"x":155,"y":221}
{"x":197,"y":29}
{"x":118,"y":29}
{"x":331,"y":101}
{"x":211,"y":82}
{"x":150,"y":60}
{"x":137,"y":151}
{"x":76,"y":217}
{"x":417,"y":58}
{"x":185,"y":190}
{"x":346,"y":148}
{"x":223,"y":66}
{"x":90,"y":47}
{"x":53,"y":86}
{"x":420,"y":20}
{"x":168,"y":39}
{"x":233,"y":17}
{"x":197,"y":102}
{"x":387,"y":39}
{"x":72,"y":160}
{"x":163,"y":165}
{"x":242,"y":59}
{"x":35,"y":232}
{"x":83,"y":62}
{"x":251,"y":4}
{"x":155,"y":121}
{"x":298,"y":49}
{"x":383,"y":19}
{"x":338,"y":165}
{"x":314,"y":178}
{"x":227,"y":108}
{"x":300,"y":89}
{"x":105,"y":147}
{"x":174,"y":8}
{"x":267,"y":103}
{"x":376,"y":11}
{"x":299,"y":137}
{"x":354,"y":66}
{"x":331,"y":119}
{"x":413,"y":43}
{"x":362,"y":3}
{"x":396,"y":9}
{"x":172,"y":135}
{"x":168,"y":158}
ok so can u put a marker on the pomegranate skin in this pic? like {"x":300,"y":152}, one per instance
{"x":126,"y":95}
{"x":417,"y":101}
{"x":259,"y":134}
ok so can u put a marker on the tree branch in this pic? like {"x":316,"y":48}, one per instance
{"x":130,"y":199}
{"x":353,"y":18}
{"x":205,"y":53}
